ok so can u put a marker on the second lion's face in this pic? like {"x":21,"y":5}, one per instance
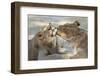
{"x":68,"y":30}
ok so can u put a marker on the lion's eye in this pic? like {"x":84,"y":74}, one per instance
{"x":40,"y":35}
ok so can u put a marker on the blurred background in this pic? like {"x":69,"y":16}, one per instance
{"x":36,"y":22}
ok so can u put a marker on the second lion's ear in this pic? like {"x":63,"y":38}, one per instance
{"x":49,"y":27}
{"x":43,"y":28}
{"x":76,"y":23}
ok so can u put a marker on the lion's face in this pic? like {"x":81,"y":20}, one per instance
{"x":68,"y":30}
{"x":46,"y":37}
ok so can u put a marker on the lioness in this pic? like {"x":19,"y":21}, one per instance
{"x":76,"y":37}
{"x":45,"y":39}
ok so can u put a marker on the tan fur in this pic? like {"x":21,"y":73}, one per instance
{"x":42,"y":40}
{"x":76,"y":37}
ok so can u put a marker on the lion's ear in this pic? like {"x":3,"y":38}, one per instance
{"x":48,"y":27}
{"x":76,"y":23}
{"x":43,"y":28}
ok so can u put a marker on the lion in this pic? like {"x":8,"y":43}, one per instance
{"x":44,"y":39}
{"x":76,"y":37}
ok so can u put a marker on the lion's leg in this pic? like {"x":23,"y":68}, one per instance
{"x":33,"y":54}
